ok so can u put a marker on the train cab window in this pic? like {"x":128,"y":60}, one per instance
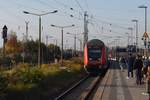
{"x":94,"y":53}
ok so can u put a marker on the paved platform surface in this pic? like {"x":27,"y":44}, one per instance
{"x":117,"y":87}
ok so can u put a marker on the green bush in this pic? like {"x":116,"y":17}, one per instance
{"x":33,"y":75}
{"x":26,"y":74}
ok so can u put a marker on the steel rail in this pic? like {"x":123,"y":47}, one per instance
{"x":62,"y":95}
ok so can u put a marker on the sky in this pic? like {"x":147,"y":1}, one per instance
{"x":107,"y":19}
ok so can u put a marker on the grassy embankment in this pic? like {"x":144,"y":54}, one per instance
{"x":26,"y":82}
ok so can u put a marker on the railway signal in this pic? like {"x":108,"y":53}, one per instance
{"x":4,"y":36}
{"x":4,"y":33}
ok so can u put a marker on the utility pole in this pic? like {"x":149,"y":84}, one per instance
{"x":62,"y":49}
{"x":27,"y":22}
{"x":131,"y":36}
{"x":46,"y":40}
{"x":85,"y":28}
{"x":127,"y":38}
{"x":23,"y":55}
{"x":80,"y":46}
{"x":75,"y":45}
{"x":136,"y":21}
{"x":54,"y":49}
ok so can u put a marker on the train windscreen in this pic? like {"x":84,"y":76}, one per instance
{"x":94,"y":54}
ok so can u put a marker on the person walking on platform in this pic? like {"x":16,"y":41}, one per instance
{"x":122,"y":63}
{"x":130,"y":66}
{"x":138,"y":64}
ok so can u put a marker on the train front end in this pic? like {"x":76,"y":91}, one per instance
{"x":94,"y":56}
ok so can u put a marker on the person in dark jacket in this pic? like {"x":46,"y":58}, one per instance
{"x":130,"y":65}
{"x":138,"y":64}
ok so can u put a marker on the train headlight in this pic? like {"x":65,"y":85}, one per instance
{"x":90,"y":58}
{"x":99,"y":59}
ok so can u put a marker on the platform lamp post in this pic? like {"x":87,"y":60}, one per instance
{"x":127,"y":39}
{"x":47,"y":39}
{"x":62,"y":29}
{"x":145,"y":7}
{"x":74,"y":42}
{"x":131,"y":36}
{"x":136,"y":43}
{"x":128,"y":42}
{"x":39,"y":15}
{"x":4,"y":36}
{"x":80,"y":40}
{"x":145,"y":37}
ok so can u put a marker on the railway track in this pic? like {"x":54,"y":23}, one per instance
{"x":67,"y":92}
{"x":82,"y":90}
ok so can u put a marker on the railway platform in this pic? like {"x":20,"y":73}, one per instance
{"x":115,"y":86}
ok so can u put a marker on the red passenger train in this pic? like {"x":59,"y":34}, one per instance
{"x":95,"y":56}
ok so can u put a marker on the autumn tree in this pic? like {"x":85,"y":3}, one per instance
{"x":13,"y":46}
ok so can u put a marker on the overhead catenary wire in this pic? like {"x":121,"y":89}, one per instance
{"x":64,"y":5}
{"x":50,"y":6}
{"x":115,"y":33}
{"x":60,"y":10}
{"x":105,"y":35}
{"x":64,"y":13}
{"x":79,"y":5}
{"x":72,"y":9}
{"x":86,"y":4}
{"x":68,"y":7}
{"x":109,"y":31}
{"x":112,"y":24}
{"x":94,"y":27}
{"x":88,"y":9}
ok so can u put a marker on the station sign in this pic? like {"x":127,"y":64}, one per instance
{"x":145,"y":35}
